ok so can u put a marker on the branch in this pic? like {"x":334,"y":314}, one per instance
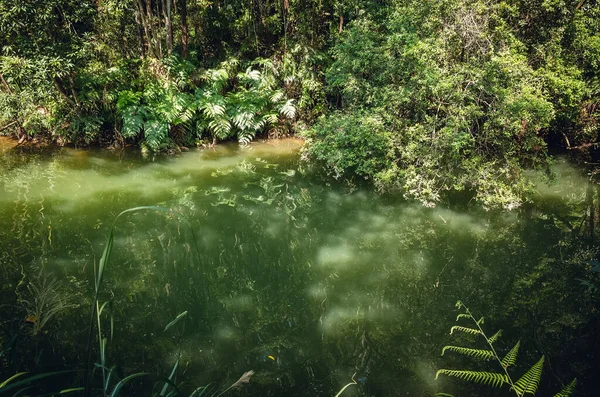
{"x":595,"y":145}
{"x":8,"y":126}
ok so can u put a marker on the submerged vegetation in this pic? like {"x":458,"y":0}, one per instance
{"x":317,"y":288}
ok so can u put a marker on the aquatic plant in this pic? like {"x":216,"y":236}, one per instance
{"x":527,"y":384}
{"x":343,"y":389}
{"x":44,"y":303}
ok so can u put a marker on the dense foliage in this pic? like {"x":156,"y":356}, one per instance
{"x":464,"y":95}
{"x":419,"y":97}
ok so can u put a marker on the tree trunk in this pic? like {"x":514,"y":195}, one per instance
{"x":151,"y":34}
{"x":166,"y":9}
{"x":5,"y":84}
{"x":141,"y":27}
{"x":589,"y":199}
{"x":184,"y":28}
{"x":58,"y":83}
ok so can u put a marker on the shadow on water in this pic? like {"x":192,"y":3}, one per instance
{"x":303,"y":281}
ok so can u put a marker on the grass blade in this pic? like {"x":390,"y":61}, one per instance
{"x":27,"y":381}
{"x":15,"y":376}
{"x":129,"y":378}
{"x":179,"y":317}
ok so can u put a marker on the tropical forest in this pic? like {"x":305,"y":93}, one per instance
{"x":264,"y":198}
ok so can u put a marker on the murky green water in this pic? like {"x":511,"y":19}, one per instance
{"x":304,"y":281}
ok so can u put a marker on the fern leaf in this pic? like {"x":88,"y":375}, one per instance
{"x":156,"y":133}
{"x":133,"y":121}
{"x":495,"y":337}
{"x":288,"y":109}
{"x":252,"y":74}
{"x":480,"y":321}
{"x":486,"y":378}
{"x":466,"y":330}
{"x":245,"y":137}
{"x":530,"y":381}
{"x":475,"y":353}
{"x":220,"y":127}
{"x":276,"y":97}
{"x":511,"y":356}
{"x":213,"y":110}
{"x":567,"y":390}
{"x":462,"y":315}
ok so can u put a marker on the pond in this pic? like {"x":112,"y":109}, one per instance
{"x":253,"y":260}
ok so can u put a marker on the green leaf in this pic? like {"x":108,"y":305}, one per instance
{"x":288,"y":109}
{"x":495,"y":337}
{"x":486,"y":378}
{"x":462,"y":315}
{"x":27,"y":381}
{"x":166,"y":386}
{"x":15,"y":376}
{"x":156,"y":378}
{"x":531,"y":380}
{"x":466,"y":330}
{"x":475,"y":353}
{"x":567,"y":390}
{"x":511,"y":356}
{"x":179,"y":317}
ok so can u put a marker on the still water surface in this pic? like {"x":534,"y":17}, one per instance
{"x":304,"y":281}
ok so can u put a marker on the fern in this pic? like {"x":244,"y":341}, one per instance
{"x":475,"y":353}
{"x":466,"y":330}
{"x":527,"y":384}
{"x":155,"y":134}
{"x":511,"y":356}
{"x":495,"y":337}
{"x":530,"y":381}
{"x":567,"y":390}
{"x":486,"y":378}
{"x":240,"y":104}
{"x":288,"y":109}
{"x":462,"y":315}
{"x":133,"y":122}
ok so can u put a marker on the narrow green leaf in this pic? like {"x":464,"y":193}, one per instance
{"x":15,"y":376}
{"x":164,"y":389}
{"x":179,"y":317}
{"x":74,"y":389}
{"x":27,"y":381}
{"x":129,"y":378}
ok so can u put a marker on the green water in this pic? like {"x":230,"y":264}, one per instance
{"x":304,"y":281}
